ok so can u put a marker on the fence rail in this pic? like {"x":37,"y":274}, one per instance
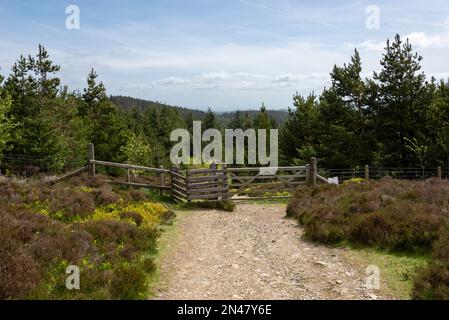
{"x":216,"y":183}
{"x":26,"y":165}
{"x":372,"y":172}
{"x":265,"y":182}
{"x":212,"y":183}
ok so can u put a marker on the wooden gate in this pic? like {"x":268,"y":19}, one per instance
{"x":240,"y":183}
{"x":200,"y":184}
{"x":266,"y":183}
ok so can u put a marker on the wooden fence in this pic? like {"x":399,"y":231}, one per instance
{"x":160,"y":174}
{"x":374,"y":172}
{"x":214,"y":183}
{"x":239,"y":184}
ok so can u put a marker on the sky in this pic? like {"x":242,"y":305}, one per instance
{"x":226,"y":55}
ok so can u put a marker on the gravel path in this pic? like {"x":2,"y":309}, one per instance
{"x":254,"y":253}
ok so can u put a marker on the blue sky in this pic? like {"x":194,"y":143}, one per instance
{"x":219,"y":54}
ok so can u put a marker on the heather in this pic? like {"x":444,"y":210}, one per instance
{"x":390,"y":215}
{"x":109,"y":233}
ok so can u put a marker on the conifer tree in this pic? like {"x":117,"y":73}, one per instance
{"x":403,"y":100}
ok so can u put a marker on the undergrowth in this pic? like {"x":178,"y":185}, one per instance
{"x":392,"y":215}
{"x":109,"y":233}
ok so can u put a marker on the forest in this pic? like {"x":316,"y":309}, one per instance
{"x":398,"y":117}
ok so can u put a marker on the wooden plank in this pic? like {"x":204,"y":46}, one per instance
{"x":126,"y":166}
{"x":178,"y":193}
{"x":137,"y":185}
{"x":209,"y":190}
{"x":205,"y":179}
{"x":254,"y":184}
{"x":294,"y":168}
{"x":69,"y":175}
{"x":200,"y":185}
{"x":91,"y":157}
{"x":322,"y":179}
{"x":207,"y":171}
{"x":313,"y":172}
{"x":179,"y":188}
{"x":179,"y":181}
{"x":207,"y":196}
{"x":178,"y":175}
{"x":178,"y":199}
{"x":288,"y":176}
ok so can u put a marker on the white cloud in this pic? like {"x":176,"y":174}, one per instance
{"x":171,"y":81}
{"x":228,"y":81}
{"x":423,"y":40}
{"x":368,"y":45}
{"x":296,"y":78}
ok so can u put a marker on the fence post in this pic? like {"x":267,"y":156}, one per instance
{"x":367,"y":172}
{"x":439,"y":173}
{"x":128,"y":174}
{"x":226,"y":180}
{"x":313,"y":172}
{"x":213,"y":179}
{"x":162,"y":180}
{"x":91,"y":156}
{"x":308,"y":178}
{"x":187,"y":185}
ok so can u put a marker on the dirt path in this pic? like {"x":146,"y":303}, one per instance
{"x":253,"y":253}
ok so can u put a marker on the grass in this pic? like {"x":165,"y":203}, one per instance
{"x":165,"y":243}
{"x":397,"y":270}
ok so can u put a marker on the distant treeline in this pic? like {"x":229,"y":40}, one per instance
{"x":224,"y":118}
{"x":396,"y":118}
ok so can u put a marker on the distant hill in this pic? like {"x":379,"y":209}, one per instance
{"x":129,"y":103}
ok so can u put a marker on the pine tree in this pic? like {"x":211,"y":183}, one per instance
{"x":403,"y":101}
{"x":108,"y":129}
{"x":263,"y":119}
{"x":6,"y":122}
{"x":350,"y":117}
{"x":247,"y":121}
{"x":236,"y":122}
{"x":299,"y":130}
{"x":33,"y":88}
{"x":43,"y":68}
{"x":210,"y":120}
{"x":438,"y":124}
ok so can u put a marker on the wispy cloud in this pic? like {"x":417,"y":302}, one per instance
{"x":223,"y":54}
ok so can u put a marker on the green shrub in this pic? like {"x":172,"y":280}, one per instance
{"x":128,"y":283}
{"x":73,"y":204}
{"x":148,"y":265}
{"x":389,"y":214}
{"x":224,"y":205}
{"x":400,"y":226}
{"x":119,"y":240}
{"x":104,"y":195}
{"x":131,"y":215}
{"x":432,"y":283}
{"x":441,"y":246}
{"x":19,"y":272}
{"x":43,"y":229}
